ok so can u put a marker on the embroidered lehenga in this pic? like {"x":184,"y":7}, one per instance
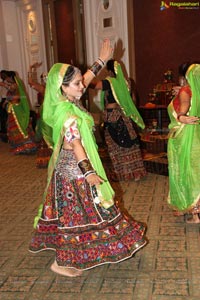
{"x":183,"y":151}
{"x":44,"y":149}
{"x":80,"y":223}
{"x":120,"y":125}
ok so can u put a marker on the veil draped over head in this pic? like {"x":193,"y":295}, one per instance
{"x":58,"y":112}
{"x":53,"y":103}
{"x":122,"y":96}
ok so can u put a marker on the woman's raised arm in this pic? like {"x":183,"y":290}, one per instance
{"x":105,"y":54}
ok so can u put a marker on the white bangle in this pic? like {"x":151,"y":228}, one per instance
{"x":102,"y":63}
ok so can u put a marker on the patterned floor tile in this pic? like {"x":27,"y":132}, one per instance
{"x":171,"y":287}
{"x":13,"y":296}
{"x":35,"y":262}
{"x":167,"y":268}
{"x":63,"y":284}
{"x":171,"y":264}
{"x":117,"y":286}
{"x":176,"y":245}
{"x":18,"y":284}
{"x":172,"y":230}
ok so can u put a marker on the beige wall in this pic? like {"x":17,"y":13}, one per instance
{"x":23,"y":38}
{"x":164,"y":39}
{"x":3,"y":46}
{"x":96,"y":17}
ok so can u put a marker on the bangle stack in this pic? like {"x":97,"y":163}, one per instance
{"x":101,"y":61}
{"x":97,"y":66}
{"x":86,"y":167}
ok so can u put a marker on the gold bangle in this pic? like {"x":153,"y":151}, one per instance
{"x":86,"y":167}
{"x":101,"y":61}
{"x":96,"y":67}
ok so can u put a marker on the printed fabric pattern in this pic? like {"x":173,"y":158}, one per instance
{"x":82,"y":232}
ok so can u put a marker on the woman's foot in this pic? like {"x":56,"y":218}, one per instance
{"x":193,"y":220}
{"x":65,"y":271}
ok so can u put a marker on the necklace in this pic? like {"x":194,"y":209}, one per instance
{"x":78,"y":103}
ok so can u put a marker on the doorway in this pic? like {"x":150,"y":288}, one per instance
{"x":64,"y":32}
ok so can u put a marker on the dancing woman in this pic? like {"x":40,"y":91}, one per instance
{"x":78,"y":218}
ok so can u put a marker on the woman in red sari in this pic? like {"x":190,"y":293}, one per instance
{"x":184,"y":145}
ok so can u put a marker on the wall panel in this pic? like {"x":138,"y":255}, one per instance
{"x":163,"y":39}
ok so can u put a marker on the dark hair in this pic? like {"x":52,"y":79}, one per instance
{"x":11,"y":74}
{"x":110,"y":66}
{"x":183,"y":68}
{"x":69,"y":75}
{"x":3,"y":74}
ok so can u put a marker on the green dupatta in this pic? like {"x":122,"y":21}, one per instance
{"x":183,"y":151}
{"x":122,"y":96}
{"x":21,"y":110}
{"x":58,"y":113}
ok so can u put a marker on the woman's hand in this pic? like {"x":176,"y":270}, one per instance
{"x":175,"y":90}
{"x":106,"y":50}
{"x":105,"y":54}
{"x":189,"y":120}
{"x":5,"y":85}
{"x":94,"y":179}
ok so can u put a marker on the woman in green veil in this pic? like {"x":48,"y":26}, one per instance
{"x":184,"y":144}
{"x":121,"y":122}
{"x":78,"y":218}
{"x":19,"y":130}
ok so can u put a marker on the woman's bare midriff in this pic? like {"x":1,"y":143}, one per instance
{"x":112,"y":105}
{"x":67,"y":146}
